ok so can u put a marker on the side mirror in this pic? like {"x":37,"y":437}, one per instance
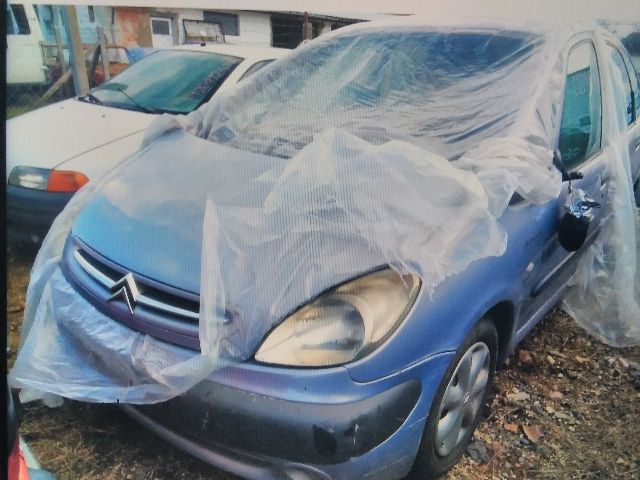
{"x":574,"y":226}
{"x":572,"y":232}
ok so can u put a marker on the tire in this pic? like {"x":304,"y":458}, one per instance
{"x":435,"y":457}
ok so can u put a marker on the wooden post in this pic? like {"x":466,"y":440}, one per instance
{"x":308,"y":29}
{"x":76,"y":54}
{"x":103,"y":51}
{"x":60,"y":48}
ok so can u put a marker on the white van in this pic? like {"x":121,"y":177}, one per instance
{"x":24,"y":55}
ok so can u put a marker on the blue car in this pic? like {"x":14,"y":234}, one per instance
{"x":376,"y":360}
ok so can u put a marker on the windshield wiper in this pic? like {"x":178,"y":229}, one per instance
{"x":141,"y":107}
{"x":91,"y":98}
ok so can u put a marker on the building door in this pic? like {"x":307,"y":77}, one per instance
{"x":161,"y":32}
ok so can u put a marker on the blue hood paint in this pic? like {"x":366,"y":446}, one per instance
{"x":150,"y":224}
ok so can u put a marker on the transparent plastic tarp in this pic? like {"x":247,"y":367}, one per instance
{"x":399,"y":144}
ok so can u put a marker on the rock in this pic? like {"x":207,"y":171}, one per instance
{"x":524,"y":356}
{"x":634,"y":377}
{"x":532,"y":432}
{"x":511,"y":427}
{"x":478,"y":451}
{"x":572,"y":375}
{"x":518,"y":396}
{"x":623,"y":363}
{"x":551,"y":360}
{"x":556,"y":395}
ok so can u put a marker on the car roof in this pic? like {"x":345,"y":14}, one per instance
{"x":550,"y":28}
{"x":243,"y":51}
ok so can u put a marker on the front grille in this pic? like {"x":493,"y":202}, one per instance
{"x":152,"y":297}
{"x":148,"y":306}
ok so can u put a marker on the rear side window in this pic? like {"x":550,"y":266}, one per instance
{"x":581,"y":125}
{"x":17,"y":23}
{"x":633,"y":67}
{"x":620,"y":70}
{"x":254,"y":68}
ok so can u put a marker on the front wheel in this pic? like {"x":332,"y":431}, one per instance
{"x":456,"y":408}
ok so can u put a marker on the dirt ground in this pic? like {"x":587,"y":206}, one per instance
{"x":565,"y":407}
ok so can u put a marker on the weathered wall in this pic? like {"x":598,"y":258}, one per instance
{"x":132,"y":27}
{"x":254,"y":29}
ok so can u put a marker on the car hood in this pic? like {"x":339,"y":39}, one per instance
{"x":151,"y":224}
{"x":67,"y":130}
{"x":257,"y":236}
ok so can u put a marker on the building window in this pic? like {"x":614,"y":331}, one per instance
{"x":92,"y":15}
{"x":286,"y":31}
{"x":228,"y":22}
{"x":17,"y":22}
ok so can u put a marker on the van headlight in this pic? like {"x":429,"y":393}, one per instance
{"x":344,"y":323}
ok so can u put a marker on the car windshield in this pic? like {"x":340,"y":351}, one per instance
{"x":175,"y":81}
{"x":443,"y":91}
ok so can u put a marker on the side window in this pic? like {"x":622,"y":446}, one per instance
{"x":254,"y":68}
{"x":580,"y":128}
{"x":17,"y":23}
{"x":620,"y":69}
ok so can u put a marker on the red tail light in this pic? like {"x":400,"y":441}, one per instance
{"x":17,"y":466}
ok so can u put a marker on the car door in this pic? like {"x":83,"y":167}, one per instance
{"x":579,"y":143}
{"x":629,"y":104}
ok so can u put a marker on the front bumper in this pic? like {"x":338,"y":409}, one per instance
{"x":31,"y":212}
{"x":334,"y":428}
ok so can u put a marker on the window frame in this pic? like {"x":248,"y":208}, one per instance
{"x":634,"y":76}
{"x":634,"y":93}
{"x":11,"y":10}
{"x":252,"y":69}
{"x":231,"y":16}
{"x":596,"y":152}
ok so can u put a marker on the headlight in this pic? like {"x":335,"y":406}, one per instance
{"x":343,"y":324}
{"x":29,"y":177}
{"x":46,"y":179}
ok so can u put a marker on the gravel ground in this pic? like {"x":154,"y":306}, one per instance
{"x":565,"y":406}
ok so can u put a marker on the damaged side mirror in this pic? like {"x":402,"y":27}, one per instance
{"x":574,"y":226}
{"x":572,"y":232}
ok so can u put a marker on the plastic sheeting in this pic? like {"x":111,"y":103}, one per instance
{"x":394,"y":145}
{"x":604,"y":295}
